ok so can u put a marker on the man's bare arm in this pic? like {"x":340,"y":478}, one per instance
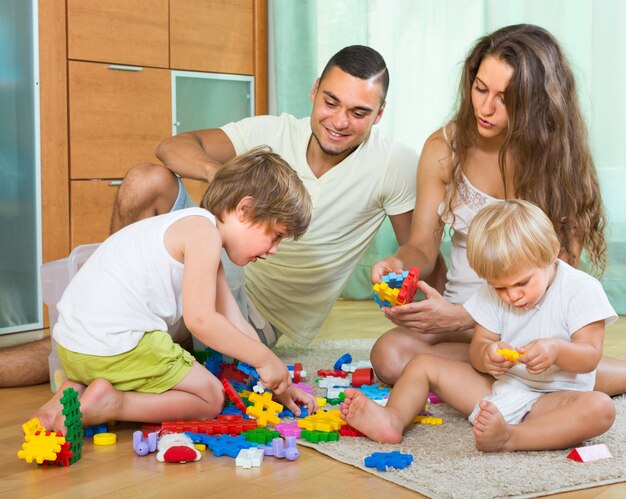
{"x":196,"y":155}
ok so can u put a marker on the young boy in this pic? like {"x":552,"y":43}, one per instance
{"x":114,"y":316}
{"x":551,"y":314}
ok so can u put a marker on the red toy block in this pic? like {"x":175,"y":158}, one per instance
{"x":230,"y":372}
{"x":409,"y":286}
{"x":348,"y":431}
{"x":233,"y":395}
{"x":337,"y":373}
{"x":363,"y":376}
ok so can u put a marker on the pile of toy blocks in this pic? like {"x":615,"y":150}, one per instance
{"x":396,"y":289}
{"x":51,"y":448}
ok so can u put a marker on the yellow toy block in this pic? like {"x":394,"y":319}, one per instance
{"x":322,"y":421}
{"x":511,"y":355}
{"x":33,"y":426}
{"x":385,"y":293}
{"x":420,"y":419}
{"x":200,"y":447}
{"x":41,"y":447}
{"x":261,"y":402}
{"x":321,"y":402}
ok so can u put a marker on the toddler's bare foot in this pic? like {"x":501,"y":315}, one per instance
{"x":491,"y":431}
{"x":47,"y":413}
{"x":375,"y":421}
{"x":100,"y":403}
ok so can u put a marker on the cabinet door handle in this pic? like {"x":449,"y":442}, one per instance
{"x":119,"y":67}
{"x":115,"y":183}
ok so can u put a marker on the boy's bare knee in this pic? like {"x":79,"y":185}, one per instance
{"x":385,"y":360}
{"x":603,"y":410}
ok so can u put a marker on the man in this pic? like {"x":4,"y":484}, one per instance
{"x":355,"y":178}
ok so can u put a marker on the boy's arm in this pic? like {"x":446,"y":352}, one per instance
{"x":581,"y":355}
{"x":197,"y":243}
{"x":226,"y":304}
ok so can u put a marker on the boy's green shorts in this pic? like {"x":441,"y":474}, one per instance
{"x":155,"y":365}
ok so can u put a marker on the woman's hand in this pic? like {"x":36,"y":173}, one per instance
{"x":432,"y":315}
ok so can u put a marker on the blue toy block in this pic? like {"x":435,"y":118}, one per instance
{"x":395,"y":280}
{"x":248,"y":369}
{"x":346,"y":358}
{"x":375,"y":392}
{"x":199,"y":438}
{"x":228,"y":445}
{"x":214,"y":363}
{"x":304,"y":412}
{"x":90,"y":431}
{"x":239,"y":386}
{"x":232,"y":410}
{"x":383,"y":460}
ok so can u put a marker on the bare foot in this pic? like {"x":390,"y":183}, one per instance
{"x":100,"y":403}
{"x":48,"y":413}
{"x":375,"y":421}
{"x":491,"y":431}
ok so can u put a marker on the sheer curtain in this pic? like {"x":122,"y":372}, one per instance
{"x":424,"y":43}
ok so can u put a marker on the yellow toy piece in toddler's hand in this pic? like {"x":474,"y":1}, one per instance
{"x":511,"y":355}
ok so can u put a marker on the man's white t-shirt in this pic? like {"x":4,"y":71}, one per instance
{"x":296,"y":288}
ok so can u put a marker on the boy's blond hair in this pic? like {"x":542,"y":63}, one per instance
{"x":279,"y":195}
{"x":509,"y":236}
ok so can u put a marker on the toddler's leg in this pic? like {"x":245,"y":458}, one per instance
{"x":457,"y":383}
{"x":557,"y":420}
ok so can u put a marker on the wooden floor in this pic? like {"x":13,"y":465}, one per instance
{"x":116,"y":471}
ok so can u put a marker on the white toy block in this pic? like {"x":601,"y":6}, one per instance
{"x":248,"y":458}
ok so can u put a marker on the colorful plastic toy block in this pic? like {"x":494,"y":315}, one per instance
{"x":348,"y":431}
{"x":231,"y":424}
{"x":511,"y":355}
{"x":280,"y":450}
{"x":409,"y":286}
{"x":233,"y":395}
{"x":590,"y":453}
{"x":316,"y":436}
{"x":73,"y":423}
{"x":260,"y":435}
{"x":227,"y":445}
{"x":431,"y":420}
{"x":33,"y":426}
{"x":346,"y":358}
{"x":353,"y":366}
{"x":384,"y":295}
{"x":384,"y":460}
{"x":375,"y":392}
{"x":248,"y":458}
{"x":143,"y":446}
{"x":304,"y":387}
{"x":322,"y":421}
{"x":41,"y":446}
{"x":296,"y":372}
{"x":90,"y":431}
{"x":264,"y":409}
{"x":289,"y":429}
{"x":363,"y":376}
{"x":395,"y":280}
{"x":248,"y":369}
{"x":336,"y":373}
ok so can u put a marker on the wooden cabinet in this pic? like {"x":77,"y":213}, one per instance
{"x":212,"y":35}
{"x":106,"y":65}
{"x":132,"y":32}
{"x":91,"y":205}
{"x":118,"y":115}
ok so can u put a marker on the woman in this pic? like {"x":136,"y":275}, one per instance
{"x":517,"y":133}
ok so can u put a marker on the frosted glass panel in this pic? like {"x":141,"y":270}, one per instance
{"x":20,"y":307}
{"x":207,"y":100}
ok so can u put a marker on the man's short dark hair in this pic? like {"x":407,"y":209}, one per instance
{"x":361,"y":62}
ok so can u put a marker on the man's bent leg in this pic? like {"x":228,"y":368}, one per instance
{"x":147,"y":190}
